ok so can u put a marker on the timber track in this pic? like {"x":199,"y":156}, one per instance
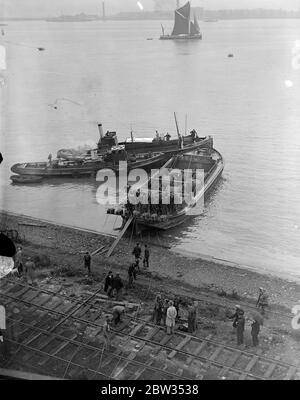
{"x":49,"y":332}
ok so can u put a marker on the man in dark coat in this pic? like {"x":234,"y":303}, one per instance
{"x":118,"y":286}
{"x":255,"y":328}
{"x":87,"y":262}
{"x":240,"y":328}
{"x":131,"y":274}
{"x":108,"y":282}
{"x":262,"y":301}
{"x":176,"y":305}
{"x":137,"y":251}
{"x":235,"y":316}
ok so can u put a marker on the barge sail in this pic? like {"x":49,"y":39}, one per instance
{"x":184,"y":26}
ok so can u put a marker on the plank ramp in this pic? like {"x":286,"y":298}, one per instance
{"x":126,"y":226}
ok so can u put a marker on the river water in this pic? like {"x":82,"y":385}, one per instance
{"x":109,"y":72}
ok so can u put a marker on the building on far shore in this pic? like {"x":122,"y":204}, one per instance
{"x":205,"y":14}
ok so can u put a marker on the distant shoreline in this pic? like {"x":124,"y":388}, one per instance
{"x":214,"y":17}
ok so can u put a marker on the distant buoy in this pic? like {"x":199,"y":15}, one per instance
{"x":230,"y":55}
{"x":41,"y":49}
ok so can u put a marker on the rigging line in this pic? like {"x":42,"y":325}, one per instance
{"x":21,"y":44}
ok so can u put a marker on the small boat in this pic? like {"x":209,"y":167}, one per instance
{"x":210,"y":20}
{"x":184,"y":27}
{"x":165,"y":216}
{"x":26,"y":179}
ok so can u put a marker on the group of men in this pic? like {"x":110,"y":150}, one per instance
{"x":137,"y":252}
{"x":166,"y":312}
{"x":256,"y":319}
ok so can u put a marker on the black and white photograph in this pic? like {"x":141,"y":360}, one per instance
{"x":150,"y":193}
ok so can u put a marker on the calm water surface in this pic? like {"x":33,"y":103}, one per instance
{"x":108,"y":72}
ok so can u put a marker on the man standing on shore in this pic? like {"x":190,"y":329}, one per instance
{"x":192,"y":317}
{"x":29,"y":268}
{"x":131,"y":273}
{"x":255,"y":328}
{"x":262,"y":301}
{"x":108,"y":282}
{"x":146,"y":257}
{"x":240,"y":328}
{"x":235,"y":316}
{"x":137,"y":251}
{"x":118,"y":286}
{"x":19,"y":261}
{"x":87,"y":262}
{"x":171,"y":318}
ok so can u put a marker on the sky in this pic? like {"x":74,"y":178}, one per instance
{"x":37,"y":8}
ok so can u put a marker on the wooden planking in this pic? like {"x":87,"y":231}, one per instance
{"x":198,"y":349}
{"x":216,"y":353}
{"x":234,"y":359}
{"x":136,"y":329}
{"x":126,"y":226}
{"x":19,"y":293}
{"x":251,"y":364}
{"x":179,"y":346}
{"x":291,"y":372}
{"x":271,"y":369}
{"x":20,"y":375}
{"x":30,"y":296}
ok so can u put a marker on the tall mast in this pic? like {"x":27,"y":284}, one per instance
{"x":176,"y":125}
{"x":131,"y":133}
{"x":189,"y":22}
{"x":103,"y":10}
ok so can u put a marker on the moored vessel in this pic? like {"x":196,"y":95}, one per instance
{"x":138,"y":153}
{"x":152,"y":211}
{"x":185,"y":28}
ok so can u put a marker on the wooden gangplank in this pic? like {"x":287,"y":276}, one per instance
{"x":126,"y":226}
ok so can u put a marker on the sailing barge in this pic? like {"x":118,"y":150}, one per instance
{"x":165,"y":216}
{"x":184,"y":27}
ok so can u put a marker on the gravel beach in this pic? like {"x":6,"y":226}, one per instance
{"x":187,"y":270}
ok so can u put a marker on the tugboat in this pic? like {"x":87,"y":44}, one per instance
{"x":133,"y":145}
{"x":139,"y":153}
{"x":184,"y":27}
{"x":90,"y":166}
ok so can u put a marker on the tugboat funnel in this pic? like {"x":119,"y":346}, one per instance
{"x":100,"y":131}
